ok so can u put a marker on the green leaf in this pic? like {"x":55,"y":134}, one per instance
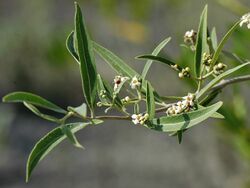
{"x":150,"y":101}
{"x":155,"y":53}
{"x":71,"y":136}
{"x":219,"y":78}
{"x":80,"y":110}
{"x":210,"y":97}
{"x":86,"y":58}
{"x":183,"y":121}
{"x":70,"y":44}
{"x":115,"y":62}
{"x":214,"y":39}
{"x":38,"y":113}
{"x":201,"y":44}
{"x":49,"y":142}
{"x":233,"y":56}
{"x":159,"y":59}
{"x":222,"y":43}
{"x":32,"y":99}
{"x":215,"y":115}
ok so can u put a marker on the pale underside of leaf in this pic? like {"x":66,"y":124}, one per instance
{"x":183,"y":121}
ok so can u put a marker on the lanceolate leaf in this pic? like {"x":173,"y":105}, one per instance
{"x":49,"y":142}
{"x":214,"y":39}
{"x":155,"y":52}
{"x":160,"y":59}
{"x":219,"y":78}
{"x":32,"y":99}
{"x":183,"y":121}
{"x":86,"y":58}
{"x":115,"y":62}
{"x":41,"y":115}
{"x":150,"y":101}
{"x":233,"y":56}
{"x":216,"y":115}
{"x":222,"y":43}
{"x":201,"y":44}
{"x":70,"y":44}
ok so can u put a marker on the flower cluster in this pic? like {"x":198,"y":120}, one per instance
{"x":182,"y":106}
{"x":219,"y":68}
{"x":102,"y":93}
{"x":139,"y":118}
{"x":245,"y":19}
{"x":190,"y":38}
{"x":184,"y":73}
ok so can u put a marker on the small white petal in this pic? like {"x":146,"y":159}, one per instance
{"x":134,"y":116}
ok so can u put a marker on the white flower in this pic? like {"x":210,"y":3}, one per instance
{"x":127,"y":98}
{"x":190,"y":37}
{"x":190,"y":34}
{"x":139,"y":118}
{"x":118,"y":80}
{"x":182,"y":106}
{"x":189,"y":100}
{"x":245,"y":19}
{"x":135,"y":83}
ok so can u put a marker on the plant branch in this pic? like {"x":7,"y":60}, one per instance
{"x":224,"y":83}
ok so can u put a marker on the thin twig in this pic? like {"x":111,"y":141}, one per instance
{"x":224,"y":83}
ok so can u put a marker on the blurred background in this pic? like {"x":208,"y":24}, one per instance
{"x":33,"y":58}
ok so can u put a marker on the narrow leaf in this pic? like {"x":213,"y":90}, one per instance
{"x":160,"y":59}
{"x":86,"y":58}
{"x":38,"y":113}
{"x":222,"y":43}
{"x":233,"y":56}
{"x":215,"y":115}
{"x":48,"y":143}
{"x":219,"y":78}
{"x":150,"y":101}
{"x":201,"y":44}
{"x":115,"y":62}
{"x":214,"y":39}
{"x":32,"y":99}
{"x":183,"y":121}
{"x":155,"y":53}
{"x":70,"y":44}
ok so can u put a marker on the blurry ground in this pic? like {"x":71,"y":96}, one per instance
{"x":33,"y":58}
